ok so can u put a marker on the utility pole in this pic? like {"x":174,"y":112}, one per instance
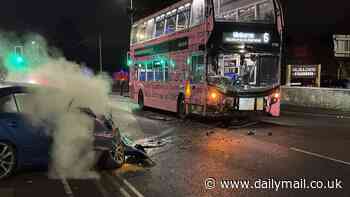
{"x":100,"y":51}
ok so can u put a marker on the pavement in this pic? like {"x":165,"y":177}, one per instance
{"x":309,"y":111}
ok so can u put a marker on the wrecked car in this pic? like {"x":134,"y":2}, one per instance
{"x":24,"y":144}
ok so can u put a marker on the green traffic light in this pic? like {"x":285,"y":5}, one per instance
{"x":129,"y":62}
{"x":16,"y":63}
{"x":19,"y":60}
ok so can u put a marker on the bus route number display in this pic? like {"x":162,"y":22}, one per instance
{"x":247,"y":37}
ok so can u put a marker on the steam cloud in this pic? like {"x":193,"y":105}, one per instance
{"x":72,"y":154}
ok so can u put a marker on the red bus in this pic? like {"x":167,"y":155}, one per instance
{"x":209,"y":57}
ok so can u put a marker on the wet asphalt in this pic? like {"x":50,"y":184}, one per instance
{"x":185,"y":153}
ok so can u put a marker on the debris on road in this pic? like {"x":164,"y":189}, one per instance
{"x":210,"y":132}
{"x":251,"y":132}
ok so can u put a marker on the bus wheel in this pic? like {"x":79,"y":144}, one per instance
{"x":141,"y":101}
{"x":181,"y":108}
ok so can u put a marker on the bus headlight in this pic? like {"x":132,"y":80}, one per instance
{"x":214,"y":96}
{"x":275,"y":97}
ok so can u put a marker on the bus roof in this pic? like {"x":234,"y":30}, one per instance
{"x":162,"y":11}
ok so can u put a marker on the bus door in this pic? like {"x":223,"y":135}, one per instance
{"x":160,"y":86}
{"x":197,"y":79}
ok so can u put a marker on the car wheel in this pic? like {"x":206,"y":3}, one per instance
{"x":117,"y":154}
{"x":7,"y":159}
{"x":113,"y":158}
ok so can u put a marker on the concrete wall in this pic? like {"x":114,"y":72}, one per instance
{"x":327,"y":98}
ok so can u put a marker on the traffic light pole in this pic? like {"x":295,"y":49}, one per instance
{"x":100,"y":51}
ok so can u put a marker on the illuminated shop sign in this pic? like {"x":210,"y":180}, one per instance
{"x":243,"y":37}
{"x":304,"y":71}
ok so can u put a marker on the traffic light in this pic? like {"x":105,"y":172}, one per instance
{"x":129,"y":63}
{"x":16,"y":63}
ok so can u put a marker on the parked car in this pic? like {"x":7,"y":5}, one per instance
{"x":23,"y":144}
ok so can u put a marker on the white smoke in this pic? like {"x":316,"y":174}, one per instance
{"x":72,"y":154}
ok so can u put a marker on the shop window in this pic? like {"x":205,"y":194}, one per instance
{"x":160,"y":25}
{"x":171,"y":22}
{"x":197,"y":12}
{"x":183,"y":17}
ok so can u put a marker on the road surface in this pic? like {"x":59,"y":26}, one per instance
{"x":293,"y":155}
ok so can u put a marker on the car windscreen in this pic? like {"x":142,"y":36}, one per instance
{"x":8,"y":104}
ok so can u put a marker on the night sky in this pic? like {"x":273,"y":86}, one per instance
{"x":74,"y":25}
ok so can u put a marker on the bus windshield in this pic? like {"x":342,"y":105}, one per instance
{"x":245,"y":11}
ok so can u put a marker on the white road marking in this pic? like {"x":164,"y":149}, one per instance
{"x":121,"y":189}
{"x":102,"y":190}
{"x":130,"y":186}
{"x":320,"y":156}
{"x":124,"y":192}
{"x":67,"y":187}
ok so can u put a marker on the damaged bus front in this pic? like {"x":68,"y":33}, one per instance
{"x":243,"y":57}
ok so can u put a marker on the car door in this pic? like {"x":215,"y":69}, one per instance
{"x":32,"y":132}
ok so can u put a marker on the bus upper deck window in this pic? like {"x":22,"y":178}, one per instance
{"x":160,"y":25}
{"x":134,"y":34}
{"x":197,"y":13}
{"x":141,"y":32}
{"x":265,"y":12}
{"x":171,"y":22}
{"x":183,"y":17}
{"x":150,"y":29}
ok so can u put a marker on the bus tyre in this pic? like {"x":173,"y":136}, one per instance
{"x":140,"y":101}
{"x":181,"y":107}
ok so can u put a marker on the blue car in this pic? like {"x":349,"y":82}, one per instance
{"x":23,"y":144}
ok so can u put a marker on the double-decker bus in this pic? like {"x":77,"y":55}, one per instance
{"x":209,"y":57}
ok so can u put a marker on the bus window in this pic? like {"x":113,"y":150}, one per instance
{"x":141,"y":32}
{"x":247,"y":11}
{"x":150,"y":72}
{"x":183,"y":17}
{"x":265,"y":12}
{"x":150,"y":29}
{"x":197,"y":68}
{"x":246,"y":14}
{"x":171,"y":22}
{"x":160,"y":25}
{"x":197,"y":12}
{"x":166,"y":72}
{"x":133,"y":34}
{"x":142,"y":72}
